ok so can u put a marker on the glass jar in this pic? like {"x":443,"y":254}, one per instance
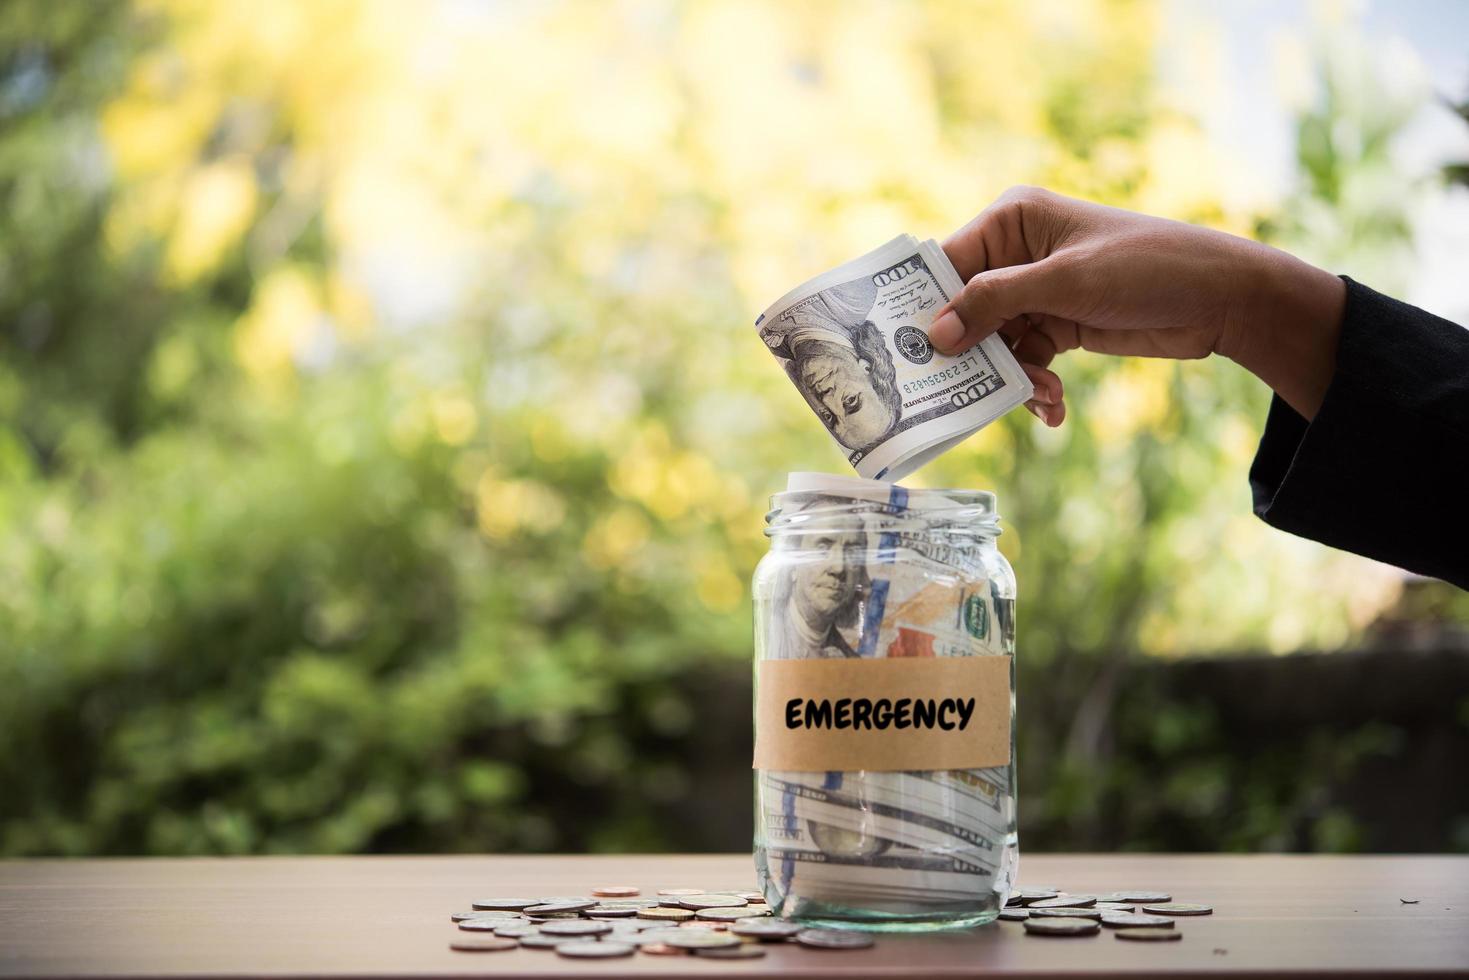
{"x":881,"y":615}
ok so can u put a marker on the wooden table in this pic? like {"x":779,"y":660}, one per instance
{"x":366,"y":917}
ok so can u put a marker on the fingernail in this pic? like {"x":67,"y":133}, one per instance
{"x":1035,"y":410}
{"x":946,"y":331}
{"x":1042,"y":396}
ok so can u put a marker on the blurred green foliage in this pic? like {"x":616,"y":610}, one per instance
{"x":383,"y":442}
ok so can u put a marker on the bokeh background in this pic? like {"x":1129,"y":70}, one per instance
{"x":384,"y":442}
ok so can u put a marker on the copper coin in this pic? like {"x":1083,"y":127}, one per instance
{"x":485,"y":944}
{"x":1149,"y":935}
{"x":1177,"y":908}
{"x":661,"y":949}
{"x":616,"y":891}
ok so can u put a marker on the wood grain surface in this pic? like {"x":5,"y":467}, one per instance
{"x":1278,"y":916}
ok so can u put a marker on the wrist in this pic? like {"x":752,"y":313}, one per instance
{"x":1286,"y":329}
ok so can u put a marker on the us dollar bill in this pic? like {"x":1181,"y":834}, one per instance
{"x":854,"y":342}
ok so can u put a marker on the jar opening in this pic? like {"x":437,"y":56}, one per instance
{"x":942,"y":511}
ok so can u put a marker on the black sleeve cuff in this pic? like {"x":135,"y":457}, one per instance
{"x":1383,"y":468}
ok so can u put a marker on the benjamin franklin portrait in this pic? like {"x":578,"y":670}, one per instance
{"x":821,"y":596}
{"x":840,"y":363}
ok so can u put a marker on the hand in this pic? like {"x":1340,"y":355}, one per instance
{"x":1052,"y":274}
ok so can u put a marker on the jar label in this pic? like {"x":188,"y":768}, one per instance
{"x":883,"y":714}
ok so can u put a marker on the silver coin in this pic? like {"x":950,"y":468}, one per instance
{"x":1065,"y":913}
{"x":539,"y":941}
{"x":766,"y":928}
{"x":833,"y":939}
{"x":610,"y":912}
{"x":505,"y":904}
{"x":743,"y":951}
{"x":515,"y":930}
{"x":485,"y":914}
{"x":730,"y":915}
{"x":1141,"y":898}
{"x":1064,"y":902}
{"x":555,"y":917}
{"x":575,"y":927}
{"x":651,"y":936}
{"x":1177,"y":908}
{"x":700,"y":939}
{"x":1149,"y":935}
{"x":1061,"y":926}
{"x":1135,"y":920}
{"x":572,"y":905}
{"x":485,"y":925}
{"x":482,"y":944}
{"x":748,"y":896}
{"x":628,"y":903}
{"x":697,"y":902}
{"x":1014,"y":915}
{"x":593,"y":950}
{"x":1113,"y":906}
{"x":681,"y":891}
{"x":461,"y":916}
{"x":1025,"y":896}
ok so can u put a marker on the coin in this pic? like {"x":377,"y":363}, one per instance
{"x":572,"y":905}
{"x":1061,"y":926}
{"x":662,"y":949}
{"x":1142,"y":897}
{"x":1015,"y":914}
{"x":1177,"y":908}
{"x":505,"y":904}
{"x":1149,"y":935}
{"x":610,"y":912}
{"x":712,"y":902}
{"x":555,"y":916}
{"x":539,"y":941}
{"x":701,"y":939}
{"x":673,"y":915}
{"x":485,"y":925}
{"x":658,"y":934}
{"x":744,"y":951}
{"x":484,"y":944}
{"x":749,"y":896}
{"x":629,"y":903}
{"x":681,"y":891}
{"x":1027,"y":895}
{"x":593,"y":950}
{"x":575,"y":927}
{"x":1113,"y":906}
{"x":1135,"y":920}
{"x":485,"y":914}
{"x":701,"y":924}
{"x":833,"y":939}
{"x":1064,"y":902}
{"x":765,"y":928}
{"x":515,"y":930}
{"x":730,"y":915}
{"x":616,"y":891}
{"x":1065,"y":914}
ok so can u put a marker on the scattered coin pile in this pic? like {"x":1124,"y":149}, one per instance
{"x":1133,"y":916}
{"x":614,"y":920}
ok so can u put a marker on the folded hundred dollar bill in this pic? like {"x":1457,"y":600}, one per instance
{"x":854,"y":342}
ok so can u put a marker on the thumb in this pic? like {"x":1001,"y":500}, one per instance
{"x":997,"y":295}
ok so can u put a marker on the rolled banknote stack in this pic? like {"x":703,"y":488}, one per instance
{"x":854,"y":342}
{"x":906,"y":843}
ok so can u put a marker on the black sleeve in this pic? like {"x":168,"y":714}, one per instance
{"x":1383,"y":469}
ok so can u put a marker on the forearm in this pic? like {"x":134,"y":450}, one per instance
{"x":1286,"y":326}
